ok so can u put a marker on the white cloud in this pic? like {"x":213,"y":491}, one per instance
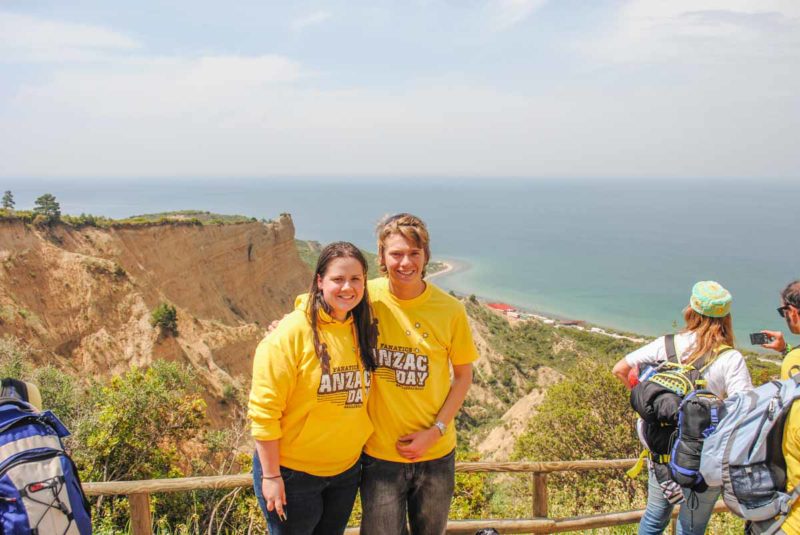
{"x":507,"y":13}
{"x":312,"y":19}
{"x":699,"y":31}
{"x":161,"y":87}
{"x":163,"y":124}
{"x":29,"y":39}
{"x":228,"y":115}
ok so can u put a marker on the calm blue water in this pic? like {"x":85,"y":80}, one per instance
{"x":622,"y":254}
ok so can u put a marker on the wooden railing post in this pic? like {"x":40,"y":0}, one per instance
{"x":141,"y":522}
{"x":539,"y":495}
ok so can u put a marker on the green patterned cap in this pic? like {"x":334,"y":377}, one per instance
{"x":709,"y":298}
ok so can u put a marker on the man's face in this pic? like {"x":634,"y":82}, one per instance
{"x":792,"y":316}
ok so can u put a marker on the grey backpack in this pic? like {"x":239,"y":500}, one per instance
{"x":744,"y":455}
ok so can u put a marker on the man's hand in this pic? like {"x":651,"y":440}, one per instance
{"x":414,"y":445}
{"x":778,"y":343}
{"x":274,"y":494}
{"x":274,"y":324}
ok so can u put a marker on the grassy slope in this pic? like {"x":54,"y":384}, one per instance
{"x":530,"y":344}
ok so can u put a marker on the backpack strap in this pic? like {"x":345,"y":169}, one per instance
{"x":776,"y":526}
{"x":703,"y":363}
{"x":669,"y":345}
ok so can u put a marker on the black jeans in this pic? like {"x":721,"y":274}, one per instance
{"x":391,"y":491}
{"x":314,"y":505}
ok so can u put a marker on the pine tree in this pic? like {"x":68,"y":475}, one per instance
{"x":8,"y":200}
{"x":47,"y":206}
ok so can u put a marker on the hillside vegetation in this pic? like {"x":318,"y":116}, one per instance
{"x":141,"y":336}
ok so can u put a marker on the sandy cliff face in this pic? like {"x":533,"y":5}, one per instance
{"x":84,"y":296}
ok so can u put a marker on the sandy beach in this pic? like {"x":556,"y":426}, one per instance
{"x":447,"y":269}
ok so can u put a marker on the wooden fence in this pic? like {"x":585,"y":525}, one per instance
{"x":138,"y":493}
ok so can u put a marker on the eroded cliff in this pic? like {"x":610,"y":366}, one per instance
{"x":83,"y":296}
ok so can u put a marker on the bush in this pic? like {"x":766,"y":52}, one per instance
{"x":586,"y":416}
{"x":473,"y":494}
{"x":165,"y":317}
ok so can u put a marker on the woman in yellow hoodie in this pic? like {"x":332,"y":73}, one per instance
{"x":311,"y":378}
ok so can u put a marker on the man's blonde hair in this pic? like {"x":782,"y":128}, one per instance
{"x":408,"y":226}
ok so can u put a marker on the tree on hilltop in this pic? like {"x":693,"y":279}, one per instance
{"x":47,"y":206}
{"x":8,"y":200}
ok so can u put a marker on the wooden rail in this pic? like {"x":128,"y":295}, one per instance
{"x":138,"y":493}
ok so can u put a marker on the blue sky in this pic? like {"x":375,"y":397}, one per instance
{"x":471,"y":88}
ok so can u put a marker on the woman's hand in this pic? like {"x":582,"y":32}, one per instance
{"x":414,"y":445}
{"x":274,"y":495}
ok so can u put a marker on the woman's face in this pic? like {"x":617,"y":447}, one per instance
{"x":342,"y":286}
{"x":404,"y":260}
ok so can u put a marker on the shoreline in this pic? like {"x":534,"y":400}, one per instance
{"x":525,"y":313}
{"x":451,"y":267}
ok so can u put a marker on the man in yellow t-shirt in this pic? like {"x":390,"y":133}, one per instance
{"x":408,"y":465}
{"x":790,"y":311}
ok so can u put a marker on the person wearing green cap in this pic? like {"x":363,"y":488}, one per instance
{"x":708,"y":335}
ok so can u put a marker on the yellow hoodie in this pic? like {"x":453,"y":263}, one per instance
{"x":320,"y":420}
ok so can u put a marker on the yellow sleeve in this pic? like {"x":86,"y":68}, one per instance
{"x":301,"y":301}
{"x":462,"y":347}
{"x":274,"y":378}
{"x":791,"y":364}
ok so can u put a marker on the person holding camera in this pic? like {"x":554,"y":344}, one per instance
{"x":789,"y":311}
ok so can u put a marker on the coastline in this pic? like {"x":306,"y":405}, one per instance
{"x":453,"y":267}
{"x":522,"y":313}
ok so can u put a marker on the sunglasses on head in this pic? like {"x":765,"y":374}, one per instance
{"x":395,"y":217}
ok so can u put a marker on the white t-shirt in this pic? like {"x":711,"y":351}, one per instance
{"x":725,"y":377}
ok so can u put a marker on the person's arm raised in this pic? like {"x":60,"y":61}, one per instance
{"x":778,"y":341}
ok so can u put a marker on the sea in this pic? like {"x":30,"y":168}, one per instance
{"x":616,"y":253}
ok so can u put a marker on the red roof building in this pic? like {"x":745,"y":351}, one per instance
{"x":502,"y":307}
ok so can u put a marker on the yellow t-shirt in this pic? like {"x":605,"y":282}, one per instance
{"x":418,"y":340}
{"x":791,"y":446}
{"x":321,"y":420}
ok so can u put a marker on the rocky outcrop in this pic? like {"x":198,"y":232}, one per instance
{"x":83,"y":296}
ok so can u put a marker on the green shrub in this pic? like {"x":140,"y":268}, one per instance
{"x":586,"y":416}
{"x":165,"y":317}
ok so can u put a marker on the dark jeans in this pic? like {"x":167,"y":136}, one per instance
{"x":314,"y":505}
{"x":391,"y":491}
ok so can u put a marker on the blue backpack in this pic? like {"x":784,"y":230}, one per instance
{"x":678,"y":414}
{"x":745,"y":456}
{"x":40,"y":493}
